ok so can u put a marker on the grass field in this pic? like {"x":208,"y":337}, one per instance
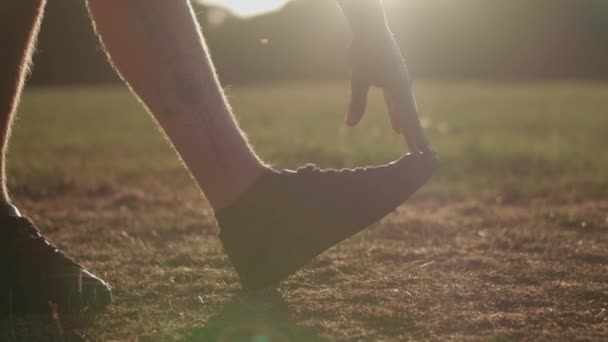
{"x":508,"y":242}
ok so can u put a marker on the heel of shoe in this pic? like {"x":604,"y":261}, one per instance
{"x":7,"y":209}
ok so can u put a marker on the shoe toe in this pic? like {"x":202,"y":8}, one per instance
{"x":96,"y":294}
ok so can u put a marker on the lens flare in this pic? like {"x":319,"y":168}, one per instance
{"x":247,"y":8}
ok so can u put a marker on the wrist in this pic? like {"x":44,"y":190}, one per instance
{"x":371,"y":34}
{"x":374,"y":42}
{"x":366,"y":19}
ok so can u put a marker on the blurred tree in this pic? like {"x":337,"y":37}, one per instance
{"x":308,"y":39}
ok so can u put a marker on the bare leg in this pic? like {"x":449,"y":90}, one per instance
{"x":19,"y":26}
{"x":37,"y":274}
{"x":272,"y":222}
{"x":158,"y":48}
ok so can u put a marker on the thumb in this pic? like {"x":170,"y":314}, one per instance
{"x":358,"y":101}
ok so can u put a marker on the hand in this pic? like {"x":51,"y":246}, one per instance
{"x":379,"y":62}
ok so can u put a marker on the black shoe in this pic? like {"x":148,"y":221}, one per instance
{"x":38,"y":279}
{"x":287,"y":218}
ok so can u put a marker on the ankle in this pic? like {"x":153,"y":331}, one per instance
{"x":223,"y":197}
{"x":7,"y":209}
{"x":4,"y":198}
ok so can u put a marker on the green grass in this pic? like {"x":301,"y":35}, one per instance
{"x":509,"y":140}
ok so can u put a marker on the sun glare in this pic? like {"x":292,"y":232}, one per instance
{"x":247,"y":8}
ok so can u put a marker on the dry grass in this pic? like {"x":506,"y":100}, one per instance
{"x":484,"y":264}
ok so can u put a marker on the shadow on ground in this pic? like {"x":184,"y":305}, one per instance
{"x":260,"y":317}
{"x":42,"y":328}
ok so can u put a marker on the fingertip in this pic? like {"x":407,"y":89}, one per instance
{"x":355,"y":113}
{"x":350,"y":123}
{"x":358,"y":102}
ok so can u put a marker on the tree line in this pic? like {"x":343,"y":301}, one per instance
{"x":308,"y":40}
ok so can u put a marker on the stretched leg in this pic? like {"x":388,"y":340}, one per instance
{"x":36,"y":274}
{"x":160,"y":52}
{"x":272,"y":222}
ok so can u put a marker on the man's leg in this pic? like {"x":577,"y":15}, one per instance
{"x":19,"y":26}
{"x":272,"y":222}
{"x":159,"y":50}
{"x":36,"y":276}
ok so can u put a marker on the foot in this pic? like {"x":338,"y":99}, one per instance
{"x":39,"y":279}
{"x":287,"y":218}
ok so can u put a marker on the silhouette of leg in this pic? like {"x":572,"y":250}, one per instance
{"x":19,"y":26}
{"x":272,"y":222}
{"x":157,"y":47}
{"x":36,"y":275}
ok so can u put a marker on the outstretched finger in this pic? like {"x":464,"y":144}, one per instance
{"x":393,"y":113}
{"x":400,"y":124}
{"x":426,"y":145}
{"x":358,"y":101}
{"x":413,"y":147}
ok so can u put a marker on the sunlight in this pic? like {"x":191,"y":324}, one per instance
{"x":247,"y":8}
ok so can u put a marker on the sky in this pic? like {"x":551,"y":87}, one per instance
{"x":248,"y":7}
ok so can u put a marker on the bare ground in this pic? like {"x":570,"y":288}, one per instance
{"x":473,"y":269}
